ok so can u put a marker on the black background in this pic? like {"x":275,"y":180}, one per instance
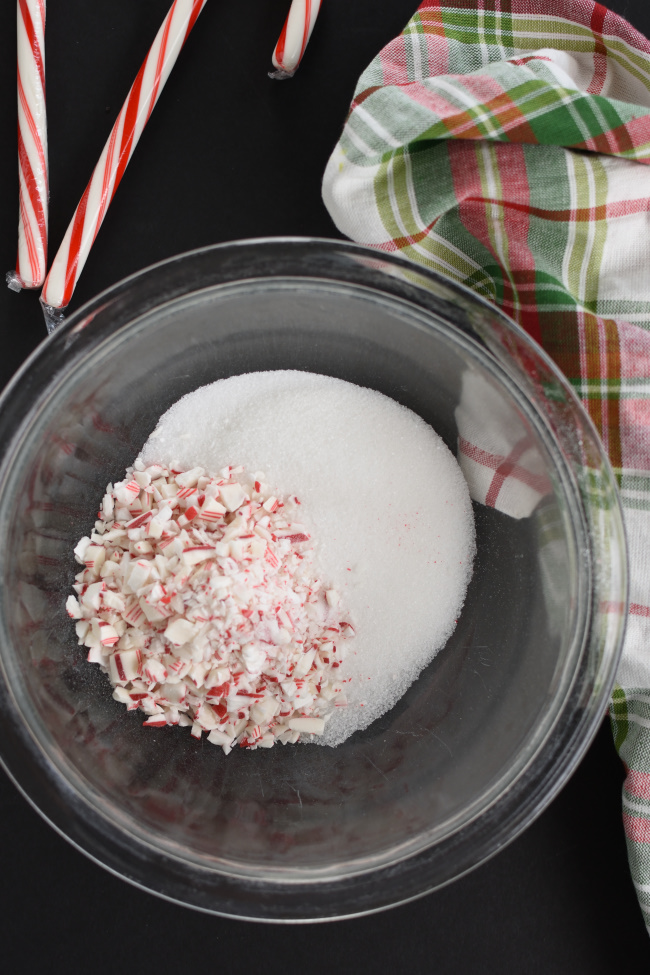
{"x":230,"y":154}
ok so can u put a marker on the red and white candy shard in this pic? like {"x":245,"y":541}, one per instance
{"x":294,"y":37}
{"x":126,"y":132}
{"x":199,"y":601}
{"x":32,"y":148}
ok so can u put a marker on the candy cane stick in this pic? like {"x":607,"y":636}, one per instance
{"x":294,"y":37}
{"x":32,"y":148}
{"x":135,"y":113}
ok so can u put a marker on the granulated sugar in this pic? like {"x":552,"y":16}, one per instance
{"x":380,"y":492}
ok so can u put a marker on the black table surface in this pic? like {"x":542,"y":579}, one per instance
{"x":230,"y":154}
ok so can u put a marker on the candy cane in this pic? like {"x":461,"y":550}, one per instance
{"x":128,"y":128}
{"x":294,"y":37}
{"x":32,"y":148}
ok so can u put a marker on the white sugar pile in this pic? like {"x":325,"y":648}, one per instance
{"x":383,"y":497}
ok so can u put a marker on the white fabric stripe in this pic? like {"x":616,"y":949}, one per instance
{"x":483,"y":47}
{"x":635,"y":806}
{"x":419,"y":53}
{"x":377,"y":127}
{"x":620,"y":387}
{"x":410,"y":190}
{"x":358,"y":142}
{"x":636,"y":719}
{"x":589,"y":243}
{"x":501,"y":242}
{"x":403,"y":232}
{"x":643,"y":698}
{"x":447,"y":245}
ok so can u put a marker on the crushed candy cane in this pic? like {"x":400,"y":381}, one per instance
{"x":199,"y":600}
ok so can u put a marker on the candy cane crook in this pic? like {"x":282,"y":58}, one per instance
{"x":32,"y":148}
{"x":294,"y":37}
{"x":128,"y":128}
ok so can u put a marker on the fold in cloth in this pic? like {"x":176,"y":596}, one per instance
{"x":505,"y":143}
{"x":500,"y":460}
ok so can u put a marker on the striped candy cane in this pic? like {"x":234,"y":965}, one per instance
{"x":32,"y":148}
{"x":135,"y":113}
{"x":294,"y":37}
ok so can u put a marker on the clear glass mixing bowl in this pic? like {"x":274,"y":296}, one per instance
{"x":482,"y":740}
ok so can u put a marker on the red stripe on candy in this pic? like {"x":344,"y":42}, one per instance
{"x":196,"y":10}
{"x":33,"y":187}
{"x":161,"y":62}
{"x":107,"y":179}
{"x":29,"y":240}
{"x":282,"y":40}
{"x":75,"y":246}
{"x":33,"y":39}
{"x":305,"y":27}
{"x":128,"y":131}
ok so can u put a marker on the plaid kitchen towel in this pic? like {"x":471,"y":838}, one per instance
{"x":506,"y":143}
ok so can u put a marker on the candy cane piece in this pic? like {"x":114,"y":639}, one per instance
{"x":294,"y":38}
{"x":236,"y":646}
{"x":128,"y":128}
{"x":32,"y":148}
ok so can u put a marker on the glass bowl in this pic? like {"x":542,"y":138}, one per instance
{"x":478,"y":745}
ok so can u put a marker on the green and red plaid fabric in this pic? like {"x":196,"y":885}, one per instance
{"x":506,"y":143}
